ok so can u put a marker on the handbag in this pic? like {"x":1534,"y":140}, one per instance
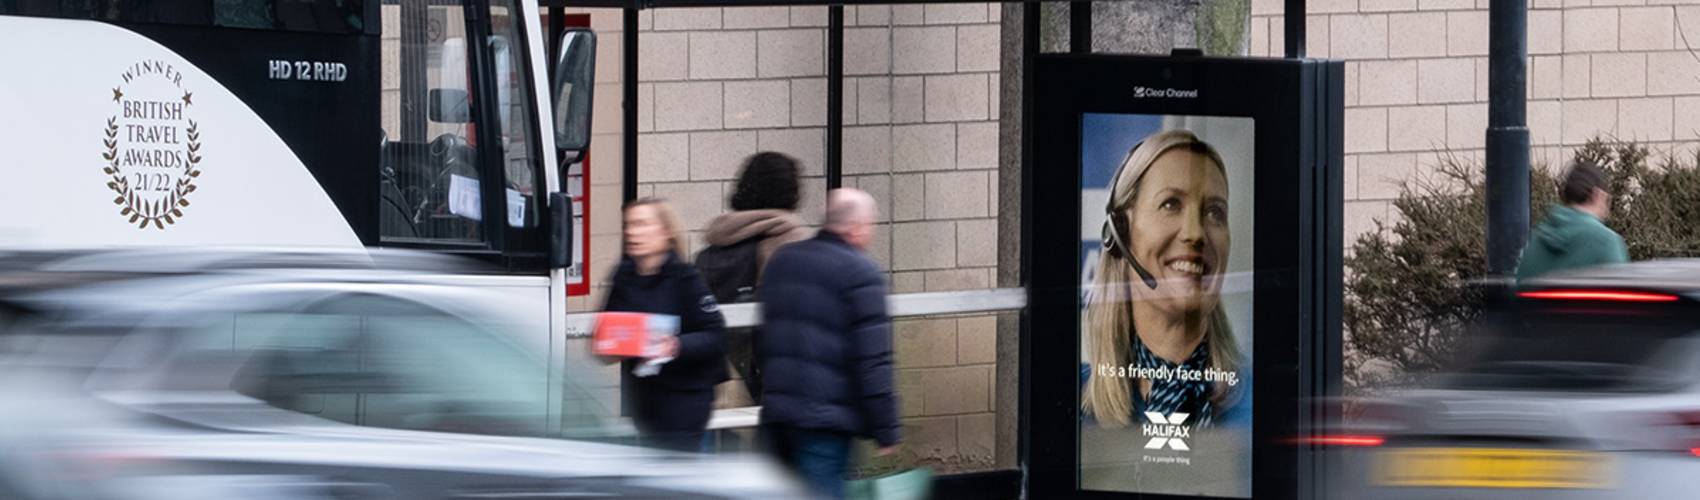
{"x":912,"y":484}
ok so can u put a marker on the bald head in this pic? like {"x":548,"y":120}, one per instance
{"x":850,"y":214}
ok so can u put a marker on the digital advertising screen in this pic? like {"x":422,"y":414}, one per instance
{"x":1166,"y":304}
{"x":1185,"y":279}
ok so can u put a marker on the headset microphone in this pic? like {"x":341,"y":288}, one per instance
{"x":1144,"y":275}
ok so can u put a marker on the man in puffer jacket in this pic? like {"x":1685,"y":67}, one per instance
{"x":825,"y":348}
{"x":1574,"y":235}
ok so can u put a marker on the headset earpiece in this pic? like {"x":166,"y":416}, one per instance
{"x":1110,"y":238}
{"x":1115,"y":227}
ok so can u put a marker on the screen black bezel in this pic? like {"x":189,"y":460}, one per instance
{"x":1292,"y":219}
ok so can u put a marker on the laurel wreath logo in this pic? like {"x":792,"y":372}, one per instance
{"x":157,"y":213}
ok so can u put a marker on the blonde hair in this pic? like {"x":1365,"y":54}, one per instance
{"x":1109,"y":308}
{"x":670,"y":219}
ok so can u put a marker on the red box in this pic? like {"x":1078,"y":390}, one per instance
{"x":629,"y":334}
{"x":620,"y":334}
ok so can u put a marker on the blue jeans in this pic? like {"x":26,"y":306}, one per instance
{"x":822,"y":458}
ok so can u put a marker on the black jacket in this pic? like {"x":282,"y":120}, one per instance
{"x":676,"y":290}
{"x":825,"y":344}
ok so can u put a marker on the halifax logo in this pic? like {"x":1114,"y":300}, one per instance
{"x":1166,"y":431}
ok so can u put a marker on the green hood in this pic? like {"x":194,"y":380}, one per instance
{"x":1563,"y":228}
{"x":1568,"y":239}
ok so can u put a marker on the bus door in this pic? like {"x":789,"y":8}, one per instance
{"x":476,"y":123}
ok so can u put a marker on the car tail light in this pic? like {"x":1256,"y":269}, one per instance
{"x":1341,"y":440}
{"x":1688,"y":424}
{"x":1598,"y":295}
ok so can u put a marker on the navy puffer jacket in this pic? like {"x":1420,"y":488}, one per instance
{"x":825,"y":343}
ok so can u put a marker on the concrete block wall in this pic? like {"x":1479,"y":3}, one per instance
{"x":707,"y":98}
{"x":920,"y":107}
{"x":1416,"y":81}
{"x":921,"y":135}
{"x":718,"y":85}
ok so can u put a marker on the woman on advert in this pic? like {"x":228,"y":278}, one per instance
{"x":1155,"y":304}
{"x":670,"y":407}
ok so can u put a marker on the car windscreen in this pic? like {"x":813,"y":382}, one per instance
{"x":1577,"y":352}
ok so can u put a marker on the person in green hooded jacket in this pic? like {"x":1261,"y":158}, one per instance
{"x":1574,"y":234}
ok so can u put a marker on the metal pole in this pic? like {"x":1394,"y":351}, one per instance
{"x":1080,"y":27}
{"x":557,"y":26}
{"x":483,"y":79}
{"x":629,"y":103}
{"x":1507,"y":135}
{"x":1293,"y":22}
{"x":835,"y":98}
{"x":1030,"y":26}
{"x":414,"y":54}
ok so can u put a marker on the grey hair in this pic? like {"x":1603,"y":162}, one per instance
{"x":845,"y":205}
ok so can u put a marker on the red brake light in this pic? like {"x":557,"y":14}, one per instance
{"x":1341,"y":440}
{"x":1598,"y":295}
{"x":1687,"y":423}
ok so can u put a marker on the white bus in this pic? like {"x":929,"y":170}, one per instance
{"x":330,"y":123}
{"x":425,"y":124}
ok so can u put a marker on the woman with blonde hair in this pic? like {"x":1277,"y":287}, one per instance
{"x":670,"y":407}
{"x":1155,"y":304}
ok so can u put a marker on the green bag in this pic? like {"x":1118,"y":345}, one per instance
{"x":912,"y":484}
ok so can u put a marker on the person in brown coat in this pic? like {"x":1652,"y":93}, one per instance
{"x":763,"y":218}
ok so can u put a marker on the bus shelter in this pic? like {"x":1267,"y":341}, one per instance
{"x":1013,"y":345}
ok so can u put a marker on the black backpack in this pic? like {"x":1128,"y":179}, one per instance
{"x":730,"y":271}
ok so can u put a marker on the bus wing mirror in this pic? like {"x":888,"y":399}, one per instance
{"x":575,"y":79}
{"x":560,"y":230}
{"x":450,"y":106}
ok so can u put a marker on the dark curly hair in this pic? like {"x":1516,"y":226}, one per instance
{"x":768,"y":180}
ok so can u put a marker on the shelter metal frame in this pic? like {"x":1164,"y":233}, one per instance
{"x":1080,"y":35}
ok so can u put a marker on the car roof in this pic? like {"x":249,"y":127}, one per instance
{"x":34,"y":270}
{"x":171,"y":260}
{"x":1677,"y":276}
{"x":87,"y":278}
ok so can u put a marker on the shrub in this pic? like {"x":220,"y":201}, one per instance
{"x":1408,"y":284}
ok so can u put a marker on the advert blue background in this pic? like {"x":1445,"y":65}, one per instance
{"x":1104,"y":142}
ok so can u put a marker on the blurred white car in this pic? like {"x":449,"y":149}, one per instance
{"x":1585,"y":386}
{"x":273,"y":375}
